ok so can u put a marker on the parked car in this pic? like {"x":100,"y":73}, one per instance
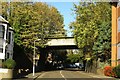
{"x":60,"y":66}
{"x":79,"y":65}
{"x":70,"y":66}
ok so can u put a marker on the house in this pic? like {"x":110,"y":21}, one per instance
{"x":6,"y":40}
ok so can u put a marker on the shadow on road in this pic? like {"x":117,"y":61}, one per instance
{"x":21,"y":75}
{"x":67,"y":69}
{"x":73,"y":69}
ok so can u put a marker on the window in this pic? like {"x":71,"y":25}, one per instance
{"x":7,"y":55}
{"x":1,"y":50}
{"x":9,"y":38}
{"x":2,"y":31}
{"x":118,"y":50}
{"x":118,"y":24}
{"x":118,"y":29}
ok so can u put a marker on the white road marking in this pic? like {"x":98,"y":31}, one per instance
{"x":62,"y":75}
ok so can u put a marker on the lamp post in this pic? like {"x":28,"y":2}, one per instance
{"x":34,"y":57}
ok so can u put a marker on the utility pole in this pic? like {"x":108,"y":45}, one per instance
{"x":34,"y":57}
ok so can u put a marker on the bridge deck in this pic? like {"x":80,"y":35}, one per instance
{"x":64,"y":41}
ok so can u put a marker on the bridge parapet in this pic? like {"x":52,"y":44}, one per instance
{"x":61,"y":42}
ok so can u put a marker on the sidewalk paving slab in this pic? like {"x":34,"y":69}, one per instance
{"x":37,"y":74}
{"x":99,"y":76}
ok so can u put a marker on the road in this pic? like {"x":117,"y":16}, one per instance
{"x":64,"y":75}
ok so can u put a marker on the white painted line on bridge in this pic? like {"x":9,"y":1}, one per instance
{"x":62,"y":75}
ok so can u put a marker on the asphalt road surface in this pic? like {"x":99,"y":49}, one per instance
{"x":65,"y":75}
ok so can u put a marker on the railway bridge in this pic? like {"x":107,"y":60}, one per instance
{"x":61,"y":43}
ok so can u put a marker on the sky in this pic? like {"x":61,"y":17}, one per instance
{"x":65,"y":9}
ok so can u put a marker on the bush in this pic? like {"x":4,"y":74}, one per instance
{"x":101,"y":65}
{"x":9,"y":63}
{"x":117,"y":70}
{"x":108,"y":71}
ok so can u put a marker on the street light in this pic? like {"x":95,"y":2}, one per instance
{"x":34,"y":57}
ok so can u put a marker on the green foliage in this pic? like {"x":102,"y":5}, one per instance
{"x":102,"y":44}
{"x":73,"y":58}
{"x":117,"y":70}
{"x":101,"y":65}
{"x":92,"y":28}
{"x":9,"y":63}
{"x":32,"y":21}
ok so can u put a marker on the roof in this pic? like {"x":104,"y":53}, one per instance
{"x":3,"y":20}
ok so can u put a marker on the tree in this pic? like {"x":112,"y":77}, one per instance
{"x":92,"y":29}
{"x":73,"y":58}
{"x":32,"y":21}
{"x":102,"y":45}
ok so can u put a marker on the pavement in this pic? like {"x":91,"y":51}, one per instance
{"x":36,"y":75}
{"x":82,"y":72}
{"x":99,"y":76}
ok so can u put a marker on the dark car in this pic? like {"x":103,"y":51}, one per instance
{"x":70,"y":66}
{"x":60,"y":66}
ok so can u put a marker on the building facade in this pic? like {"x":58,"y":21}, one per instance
{"x":6,"y":40}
